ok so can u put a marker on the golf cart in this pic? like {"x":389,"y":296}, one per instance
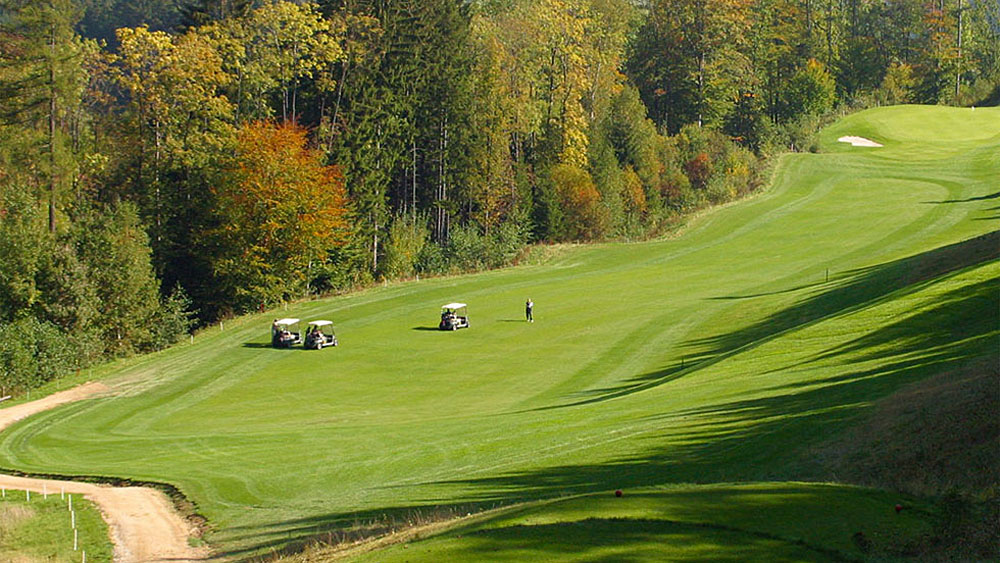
{"x":454,"y":317}
{"x":320,"y":334}
{"x":285,"y":333}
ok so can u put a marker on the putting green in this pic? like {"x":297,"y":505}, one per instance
{"x":720,"y":355}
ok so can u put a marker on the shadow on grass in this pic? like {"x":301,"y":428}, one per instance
{"x":860,"y":289}
{"x":994,"y":195}
{"x":625,"y":538}
{"x":759,"y":439}
{"x":766,"y":294}
{"x":426,"y":328}
{"x":856,"y":290}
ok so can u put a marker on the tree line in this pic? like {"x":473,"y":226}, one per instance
{"x":166,"y":164}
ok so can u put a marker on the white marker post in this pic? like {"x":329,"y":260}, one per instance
{"x":70,"y":497}
{"x":74,"y":540}
{"x":72,"y":519}
{"x":28,"y":493}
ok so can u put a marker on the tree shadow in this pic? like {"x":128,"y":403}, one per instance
{"x":854,"y":291}
{"x":766,"y":294}
{"x":994,"y":195}
{"x":861,"y":288}
{"x":926,"y":334}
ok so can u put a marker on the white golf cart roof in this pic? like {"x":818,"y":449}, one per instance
{"x":453,"y":306}
{"x":320,"y":323}
{"x":286,"y":321}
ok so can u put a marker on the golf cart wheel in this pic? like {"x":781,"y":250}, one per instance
{"x":319,"y":344}
{"x":454,"y":326}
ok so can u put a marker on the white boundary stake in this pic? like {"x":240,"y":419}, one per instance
{"x":74,"y":540}
{"x":28,"y":494}
{"x":70,"y":497}
{"x":72,"y":519}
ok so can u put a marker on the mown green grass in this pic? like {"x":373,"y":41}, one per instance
{"x":724,"y":354}
{"x":728,"y":522}
{"x":40,"y":529}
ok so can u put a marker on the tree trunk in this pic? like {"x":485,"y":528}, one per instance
{"x":442,"y":195}
{"x":808,"y":19}
{"x":336,"y":105}
{"x":375,"y":245}
{"x":701,"y":39}
{"x":53,"y":181}
{"x":701,"y":86}
{"x":829,"y":35}
{"x":413,"y":187}
{"x":958,"y":70}
{"x":156,"y":182}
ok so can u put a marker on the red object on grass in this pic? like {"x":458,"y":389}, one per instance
{"x":618,"y":493}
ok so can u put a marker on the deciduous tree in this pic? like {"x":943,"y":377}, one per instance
{"x":281,"y":212}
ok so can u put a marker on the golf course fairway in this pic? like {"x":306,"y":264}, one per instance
{"x":697,"y":373}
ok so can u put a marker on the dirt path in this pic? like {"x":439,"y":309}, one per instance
{"x":144,"y":526}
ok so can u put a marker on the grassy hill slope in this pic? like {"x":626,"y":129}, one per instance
{"x":733,"y":352}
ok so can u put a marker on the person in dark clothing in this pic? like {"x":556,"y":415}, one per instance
{"x":528,"y":306}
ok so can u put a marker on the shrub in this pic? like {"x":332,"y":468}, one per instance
{"x":699,"y":170}
{"x":33,"y":352}
{"x":431,"y":260}
{"x":676,"y":190}
{"x":897,"y":84}
{"x":173,"y":319}
{"x":811,"y":91}
{"x":579,"y":201}
{"x":507,"y":240}
{"x":407,"y":237}
{"x":466,"y":251}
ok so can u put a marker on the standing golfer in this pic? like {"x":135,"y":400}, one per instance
{"x":527,"y":310}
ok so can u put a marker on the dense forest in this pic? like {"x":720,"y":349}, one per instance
{"x":165,"y":164}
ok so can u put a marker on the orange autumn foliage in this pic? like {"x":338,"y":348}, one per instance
{"x":580,"y":202}
{"x":282,"y":208}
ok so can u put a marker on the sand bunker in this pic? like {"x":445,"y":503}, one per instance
{"x":859,"y":142}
